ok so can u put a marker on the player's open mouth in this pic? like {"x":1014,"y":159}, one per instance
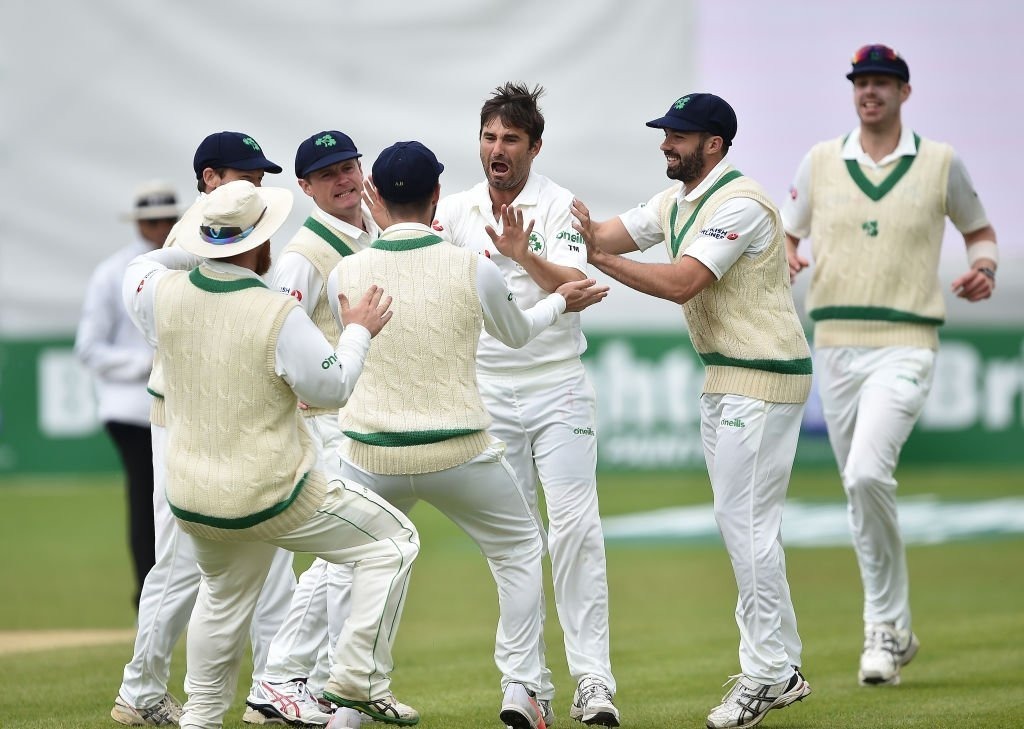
{"x":499,"y":168}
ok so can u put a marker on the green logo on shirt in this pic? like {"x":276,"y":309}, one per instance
{"x":325,"y":141}
{"x":326,"y":364}
{"x":870,"y":227}
{"x":250,"y":142}
{"x":681,"y":102}
{"x":734,"y":423}
{"x":536,"y":242}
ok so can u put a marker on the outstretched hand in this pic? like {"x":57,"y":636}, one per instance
{"x":579,"y":295}
{"x":373,"y":310}
{"x":514,"y":240}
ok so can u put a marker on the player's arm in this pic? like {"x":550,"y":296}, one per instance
{"x":796,"y":217}
{"x":322,"y":375}
{"x":546,"y":273}
{"x":296,"y":276}
{"x":138,"y":287}
{"x":515,"y":327}
{"x":94,"y":344}
{"x":968,"y":215}
{"x":611,"y":235}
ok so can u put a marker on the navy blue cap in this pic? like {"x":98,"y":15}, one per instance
{"x":234,"y":150}
{"x":699,"y":113}
{"x":323,"y":149}
{"x":878,"y":59}
{"x":405,"y":172}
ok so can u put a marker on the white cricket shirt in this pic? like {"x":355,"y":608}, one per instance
{"x":460,"y":218}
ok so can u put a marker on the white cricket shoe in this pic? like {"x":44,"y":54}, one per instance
{"x":748,"y":701}
{"x":886,"y":650}
{"x":545,"y":711}
{"x":346,"y":718}
{"x":520,"y":708}
{"x":387,"y":709}
{"x":592,"y":703}
{"x":165,"y":712}
{"x":284,"y":703}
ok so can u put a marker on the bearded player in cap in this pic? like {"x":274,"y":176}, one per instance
{"x":416,"y":426}
{"x":170,"y":588}
{"x":728,"y":271}
{"x":241,"y":466}
{"x":875,"y":202}
{"x":328,"y":169}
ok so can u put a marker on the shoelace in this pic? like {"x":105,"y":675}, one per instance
{"x":882,"y":640}
{"x":593,"y":688}
{"x":733,"y":678}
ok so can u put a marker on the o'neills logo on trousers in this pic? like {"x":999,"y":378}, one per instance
{"x":737,"y":423}
{"x":583,"y":431}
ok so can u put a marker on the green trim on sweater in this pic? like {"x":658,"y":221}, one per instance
{"x":870,"y":313}
{"x":801,"y":366}
{"x":241,"y":522}
{"x":677,"y":240}
{"x":406,"y":244}
{"x":409,"y":438}
{"x":877,"y":192}
{"x":328,"y":236}
{"x":216,"y":286}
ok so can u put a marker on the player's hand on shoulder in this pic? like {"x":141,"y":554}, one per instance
{"x":579,"y":295}
{"x":372,"y":311}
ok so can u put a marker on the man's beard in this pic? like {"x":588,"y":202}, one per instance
{"x":689,"y":168}
{"x":263,"y":262}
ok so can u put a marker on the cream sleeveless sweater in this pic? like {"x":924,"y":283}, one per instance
{"x":744,"y":326}
{"x":323,"y":246}
{"x":877,"y":236}
{"x":417,"y":407}
{"x":239,"y":458}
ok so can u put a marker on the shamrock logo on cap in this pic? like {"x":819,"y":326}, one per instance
{"x":681,"y":102}
{"x":249,"y":141}
{"x":325,"y":141}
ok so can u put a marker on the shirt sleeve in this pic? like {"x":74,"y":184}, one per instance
{"x":796,"y":210}
{"x":962,"y":202}
{"x":140,"y":281}
{"x":95,"y":339}
{"x":565,"y":247}
{"x":319,"y":375}
{"x":296,"y":276}
{"x":503,"y":319}
{"x":643,"y":223}
{"x":740,"y":226}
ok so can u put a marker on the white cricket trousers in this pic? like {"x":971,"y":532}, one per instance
{"x":547,"y":417}
{"x":872,"y":397}
{"x":483,"y":498}
{"x":169,"y":593}
{"x":749,"y":446}
{"x":353,"y":526}
{"x":320,"y":602}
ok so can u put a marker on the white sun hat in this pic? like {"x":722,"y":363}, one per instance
{"x":154,"y":200}
{"x":233,"y":219}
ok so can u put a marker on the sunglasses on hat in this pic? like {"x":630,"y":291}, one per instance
{"x":874,"y":52}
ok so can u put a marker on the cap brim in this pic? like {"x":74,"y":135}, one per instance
{"x":875,"y":71}
{"x":279,"y":204}
{"x":672,"y":122}
{"x":156,"y":212}
{"x":330,"y":160}
{"x":252,"y":163}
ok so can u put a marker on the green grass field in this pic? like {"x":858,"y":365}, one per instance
{"x":674,"y":640}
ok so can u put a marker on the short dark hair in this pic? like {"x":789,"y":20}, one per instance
{"x":516,"y":106}
{"x":201,"y":183}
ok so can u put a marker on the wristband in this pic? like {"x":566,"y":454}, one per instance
{"x":982,"y":249}
{"x":985,"y":270}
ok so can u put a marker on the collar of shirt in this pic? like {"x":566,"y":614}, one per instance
{"x":906,"y":147}
{"x":712,"y":177}
{"x":347,"y":228}
{"x":529,"y":195}
{"x":230,"y":269}
{"x":408,"y":228}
